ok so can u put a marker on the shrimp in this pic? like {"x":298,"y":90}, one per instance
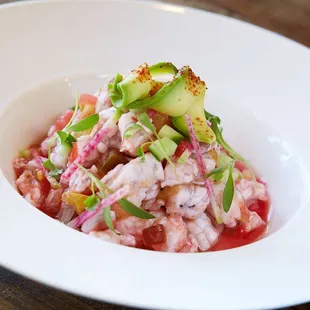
{"x":251,"y":191}
{"x":238,"y":211}
{"x":65,"y":213}
{"x":187,"y":172}
{"x":134,"y":226}
{"x":103,"y":101}
{"x":131,"y":144}
{"x":191,"y":245}
{"x":176,"y":233}
{"x":139,"y":175}
{"x":190,"y":201}
{"x":80,"y":181}
{"x":97,"y":223}
{"x":203,"y":231}
{"x":110,"y":236}
{"x":150,"y":198}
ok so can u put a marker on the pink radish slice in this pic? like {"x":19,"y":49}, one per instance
{"x":86,"y":151}
{"x":119,"y":194}
{"x":202,"y":167}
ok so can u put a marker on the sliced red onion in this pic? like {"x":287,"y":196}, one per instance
{"x":202,"y":168}
{"x":119,"y":194}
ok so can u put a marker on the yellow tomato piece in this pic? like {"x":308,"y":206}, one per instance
{"x":75,"y":200}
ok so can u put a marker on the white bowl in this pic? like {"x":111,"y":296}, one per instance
{"x":258,"y":83}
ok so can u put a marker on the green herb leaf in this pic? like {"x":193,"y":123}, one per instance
{"x":140,"y":152}
{"x":86,"y":123}
{"x":132,"y":129}
{"x":91,"y":202}
{"x":229,"y":190}
{"x":114,"y":93}
{"x":65,"y":137}
{"x":217,"y":173}
{"x":108,"y":219}
{"x":145,"y":120}
{"x":53,"y":171}
{"x":134,"y":210}
{"x":49,"y":165}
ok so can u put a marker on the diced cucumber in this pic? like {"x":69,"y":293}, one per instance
{"x":162,"y":148}
{"x":167,"y":131}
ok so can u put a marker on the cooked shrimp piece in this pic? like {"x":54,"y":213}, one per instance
{"x":183,"y":173}
{"x":238,"y":211}
{"x":187,"y":172}
{"x":134,"y":226}
{"x":65,"y":213}
{"x":31,"y":188}
{"x":80,"y":181}
{"x":103,"y":101}
{"x":176,"y":233}
{"x":139,"y":175}
{"x":150,"y":198}
{"x":110,"y":236}
{"x":203,"y":231}
{"x":191,"y":245}
{"x":190,"y":201}
{"x":97,"y":223}
{"x":130,"y":145}
{"x":251,"y":191}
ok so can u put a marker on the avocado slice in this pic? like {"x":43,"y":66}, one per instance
{"x":196,"y":112}
{"x":176,"y":96}
{"x":135,"y":86}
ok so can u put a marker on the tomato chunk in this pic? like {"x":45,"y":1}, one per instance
{"x":74,"y":152}
{"x":87,"y":99}
{"x":63,"y":120}
{"x":154,"y":235}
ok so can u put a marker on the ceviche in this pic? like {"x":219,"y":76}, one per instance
{"x":142,"y":164}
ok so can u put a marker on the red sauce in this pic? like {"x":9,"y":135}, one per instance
{"x":236,"y":237}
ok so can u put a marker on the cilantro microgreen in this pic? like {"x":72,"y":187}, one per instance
{"x":86,"y":123}
{"x":229,"y":190}
{"x":132,"y":129}
{"x":108,"y":219}
{"x":66,"y":138}
{"x":216,"y":173}
{"x":134,"y":210}
{"x":53,"y":171}
{"x":140,"y":152}
{"x":91,"y":202}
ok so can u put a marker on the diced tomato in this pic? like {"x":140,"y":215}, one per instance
{"x":74,"y":152}
{"x":158,"y":119}
{"x":87,"y":110}
{"x":63,"y":120}
{"x":87,"y":104}
{"x":87,"y":99}
{"x":184,"y":145}
{"x":154,"y":235}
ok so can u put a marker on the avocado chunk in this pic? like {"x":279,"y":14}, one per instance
{"x":167,"y":131}
{"x":196,"y":112}
{"x":162,"y":148}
